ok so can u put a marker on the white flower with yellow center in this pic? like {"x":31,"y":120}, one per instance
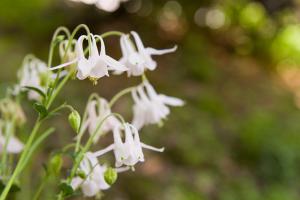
{"x":97,"y":64}
{"x":129,"y":152}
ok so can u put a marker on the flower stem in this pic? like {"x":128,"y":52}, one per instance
{"x":119,"y":95}
{"x":20,"y":165}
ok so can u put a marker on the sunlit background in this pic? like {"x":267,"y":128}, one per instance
{"x":237,"y":67}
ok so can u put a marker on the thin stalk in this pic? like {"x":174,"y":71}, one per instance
{"x":19,"y":166}
{"x":119,"y":95}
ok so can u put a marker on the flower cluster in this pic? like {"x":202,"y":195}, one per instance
{"x":86,"y":58}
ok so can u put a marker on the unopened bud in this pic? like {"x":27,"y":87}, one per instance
{"x":110,"y":176}
{"x":74,"y":120}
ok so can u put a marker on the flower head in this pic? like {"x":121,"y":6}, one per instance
{"x":97,"y":110}
{"x":97,"y":64}
{"x":139,"y":59}
{"x":94,"y":181}
{"x":34,"y":73}
{"x":150,"y":107}
{"x":129,"y":152}
{"x":13,"y":145}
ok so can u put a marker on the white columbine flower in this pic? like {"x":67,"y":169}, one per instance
{"x":94,"y":181}
{"x":33,"y":73}
{"x":150,"y":107}
{"x":139,"y":60}
{"x":13,"y":146}
{"x":129,"y":152}
{"x":97,"y":64}
{"x":97,"y":110}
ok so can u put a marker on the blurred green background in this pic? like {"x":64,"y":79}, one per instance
{"x":237,"y":68}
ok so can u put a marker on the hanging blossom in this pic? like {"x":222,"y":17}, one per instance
{"x":129,"y":152}
{"x":97,"y":64}
{"x":67,"y":54}
{"x":94,"y":181}
{"x":97,"y":110}
{"x":139,"y":59}
{"x":150,"y":107}
{"x":13,"y":146}
{"x":34,"y":73}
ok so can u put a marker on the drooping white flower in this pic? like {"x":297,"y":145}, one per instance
{"x":34,"y":73}
{"x":13,"y":146}
{"x":94,"y":181}
{"x":97,"y":110}
{"x":129,"y":152}
{"x":150,"y":107}
{"x":138,"y":59}
{"x":97,"y":64}
{"x":66,"y":53}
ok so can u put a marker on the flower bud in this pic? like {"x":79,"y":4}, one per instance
{"x":74,"y":120}
{"x":110,"y":176}
{"x":55,"y":164}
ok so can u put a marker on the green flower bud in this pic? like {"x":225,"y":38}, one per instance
{"x":74,"y":120}
{"x":55,"y":164}
{"x":110,"y":176}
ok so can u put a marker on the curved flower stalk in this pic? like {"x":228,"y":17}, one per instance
{"x":97,"y":110}
{"x":129,"y":152}
{"x":12,"y":144}
{"x":97,"y":64}
{"x":150,"y":107}
{"x":139,"y":59}
{"x":33,"y":73}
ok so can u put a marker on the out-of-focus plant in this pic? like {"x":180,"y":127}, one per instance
{"x":42,"y":83}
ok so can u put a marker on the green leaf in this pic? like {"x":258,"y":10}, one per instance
{"x":66,"y":189}
{"x":41,"y":109}
{"x":37,"y":90}
{"x":14,"y":188}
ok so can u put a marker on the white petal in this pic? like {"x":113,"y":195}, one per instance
{"x":14,"y":145}
{"x":172,"y":101}
{"x":75,"y":183}
{"x":152,"y":148}
{"x":89,"y":188}
{"x":64,"y":65}
{"x":153,"y":51}
{"x":138,"y":42}
{"x":114,"y":64}
{"x":104,"y":151}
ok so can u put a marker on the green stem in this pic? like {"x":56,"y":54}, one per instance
{"x":81,"y":132}
{"x":111,"y":33}
{"x":19,"y":166}
{"x":88,"y":145}
{"x":8,"y":135}
{"x":38,"y":141}
{"x":58,"y":89}
{"x":52,"y":45}
{"x":119,"y":95}
{"x":40,"y":188}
